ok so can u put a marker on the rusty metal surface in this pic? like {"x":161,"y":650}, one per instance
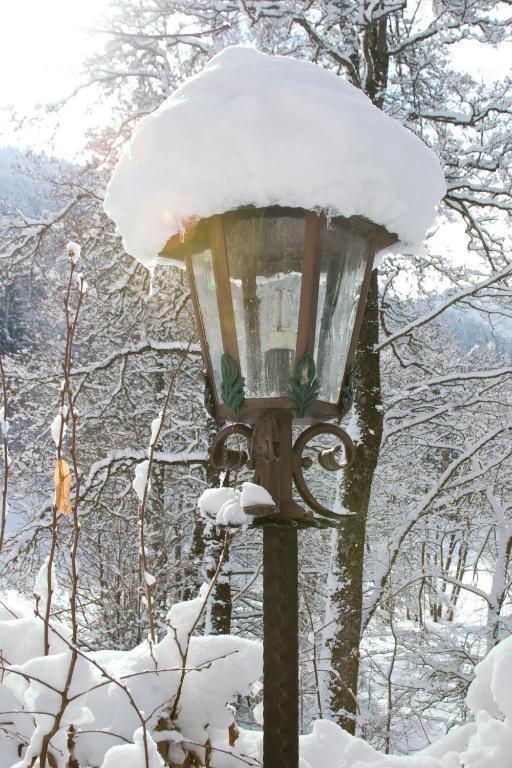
{"x":253,"y":408}
{"x":276,"y":463}
{"x":280,"y":648}
{"x":269,"y":452}
{"x":223,"y":289}
{"x":210,"y":233}
{"x":267,"y":448}
{"x":223,"y":457}
{"x":326,"y":458}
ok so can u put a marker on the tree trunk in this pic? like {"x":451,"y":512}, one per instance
{"x":219,"y":610}
{"x":206,"y":548}
{"x":345,"y":602}
{"x":346,"y":578}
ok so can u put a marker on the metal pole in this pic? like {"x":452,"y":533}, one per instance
{"x":280,"y":648}
{"x":271,"y":454}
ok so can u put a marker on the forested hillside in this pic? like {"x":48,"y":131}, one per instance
{"x":403,"y":599}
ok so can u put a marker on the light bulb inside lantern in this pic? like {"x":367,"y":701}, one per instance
{"x":282,"y":340}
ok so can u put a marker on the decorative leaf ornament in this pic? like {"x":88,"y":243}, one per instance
{"x":232,"y":387}
{"x":304,"y":385}
{"x":348,"y":394}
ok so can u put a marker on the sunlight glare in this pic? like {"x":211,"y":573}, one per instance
{"x":42,"y":45}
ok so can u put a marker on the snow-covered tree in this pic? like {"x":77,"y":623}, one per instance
{"x":429,"y":485}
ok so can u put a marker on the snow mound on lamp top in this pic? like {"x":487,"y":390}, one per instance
{"x":260,"y":130}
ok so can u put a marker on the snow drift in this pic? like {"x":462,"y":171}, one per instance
{"x":113,"y":692}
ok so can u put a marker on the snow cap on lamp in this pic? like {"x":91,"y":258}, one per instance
{"x":253,"y":129}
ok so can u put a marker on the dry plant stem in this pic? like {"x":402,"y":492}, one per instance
{"x":109,"y":679}
{"x":389,"y":682}
{"x":53,"y":541}
{"x":242,"y":757}
{"x":67,"y":393}
{"x":74,"y":418}
{"x":148,"y":588}
{"x":6,"y":459}
{"x":315,"y":656}
{"x":184,"y":652}
{"x":49,"y":581}
{"x":76,"y":652}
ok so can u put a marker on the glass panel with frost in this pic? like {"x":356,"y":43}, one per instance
{"x":343,"y":257}
{"x":265,"y":252}
{"x":202,"y":267}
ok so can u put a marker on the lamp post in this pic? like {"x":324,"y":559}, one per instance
{"x":279,"y":296}
{"x":278,"y":292}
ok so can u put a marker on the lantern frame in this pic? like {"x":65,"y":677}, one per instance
{"x":232,"y":403}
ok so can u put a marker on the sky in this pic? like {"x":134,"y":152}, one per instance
{"x":42,"y":45}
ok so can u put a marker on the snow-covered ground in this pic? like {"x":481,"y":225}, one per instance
{"x":125,"y":709}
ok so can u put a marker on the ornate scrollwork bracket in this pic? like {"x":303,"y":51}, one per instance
{"x":265,"y":455}
{"x":328,"y":459}
{"x":229,"y":458}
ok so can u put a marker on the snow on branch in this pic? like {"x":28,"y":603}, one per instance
{"x":175,"y":693}
{"x":128,"y":457}
{"x":394,"y":548}
{"x":429,"y":316}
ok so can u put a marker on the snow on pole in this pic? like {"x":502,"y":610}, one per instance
{"x":253,"y":129}
{"x":226,"y":506}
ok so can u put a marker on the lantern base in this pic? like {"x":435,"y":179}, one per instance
{"x":276,"y":461}
{"x":286,"y":511}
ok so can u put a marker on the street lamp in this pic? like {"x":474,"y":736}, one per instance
{"x":265,"y":176}
{"x":279,"y":296}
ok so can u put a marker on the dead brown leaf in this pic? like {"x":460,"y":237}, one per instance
{"x":62,"y":482}
{"x":234,"y":733}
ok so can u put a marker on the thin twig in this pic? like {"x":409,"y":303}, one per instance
{"x":148,"y":587}
{"x":3,"y":427}
{"x":184,"y":653}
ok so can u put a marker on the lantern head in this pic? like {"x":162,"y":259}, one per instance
{"x":279,"y":296}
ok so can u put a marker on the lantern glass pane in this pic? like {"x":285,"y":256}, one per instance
{"x":265,"y":265}
{"x":343,"y":258}
{"x":202,"y":267}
